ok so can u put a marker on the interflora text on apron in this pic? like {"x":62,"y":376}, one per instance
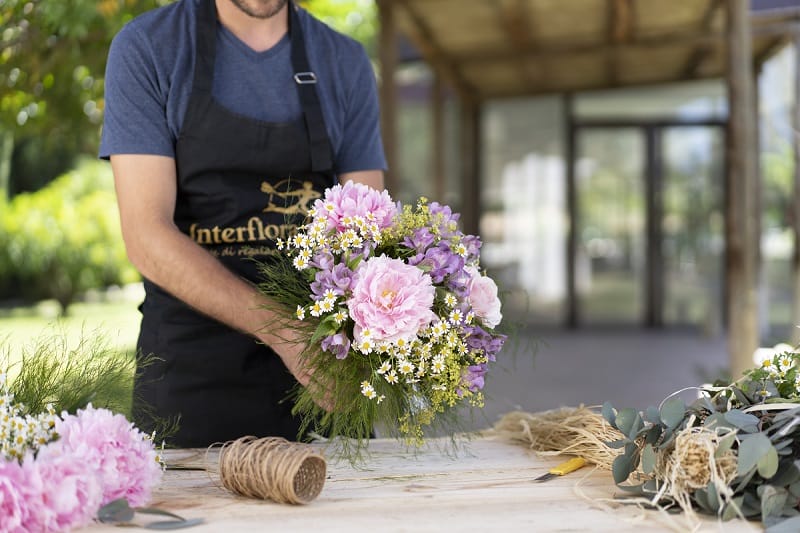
{"x":288,"y":203}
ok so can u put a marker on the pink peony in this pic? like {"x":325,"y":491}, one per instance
{"x":123,"y":457}
{"x":68,"y":495}
{"x":16,"y":495}
{"x":483,"y":297}
{"x":391,"y":299}
{"x":355,"y":199}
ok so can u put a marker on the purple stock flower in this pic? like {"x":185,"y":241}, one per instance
{"x":473,"y":245}
{"x":490,"y":344}
{"x":338,"y":345}
{"x":439,"y":262}
{"x":323,"y":261}
{"x":459,"y":283}
{"x":420,"y":240}
{"x":338,"y":279}
{"x":473,"y":378}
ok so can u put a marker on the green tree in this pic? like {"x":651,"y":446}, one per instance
{"x":356,"y":18}
{"x":52,"y":59}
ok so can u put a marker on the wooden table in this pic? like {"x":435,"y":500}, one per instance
{"x":487,"y":486}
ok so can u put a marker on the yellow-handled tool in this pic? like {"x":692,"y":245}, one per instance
{"x":564,"y":468}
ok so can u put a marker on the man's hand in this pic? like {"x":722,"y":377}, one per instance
{"x":289,"y":346}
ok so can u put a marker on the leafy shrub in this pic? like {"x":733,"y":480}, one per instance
{"x":65,"y":238}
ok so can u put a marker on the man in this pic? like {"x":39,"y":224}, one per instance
{"x":222,"y":119}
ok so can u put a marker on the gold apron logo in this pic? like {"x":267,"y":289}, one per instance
{"x":281,"y":200}
{"x":289,"y":202}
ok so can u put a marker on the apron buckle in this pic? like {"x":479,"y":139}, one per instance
{"x":305,"y":78}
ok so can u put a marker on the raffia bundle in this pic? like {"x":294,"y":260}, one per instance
{"x":570,"y":430}
{"x":272,"y":468}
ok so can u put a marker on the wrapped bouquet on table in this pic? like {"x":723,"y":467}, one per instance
{"x":732,"y":452}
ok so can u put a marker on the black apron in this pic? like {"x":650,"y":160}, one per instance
{"x":242,"y":183}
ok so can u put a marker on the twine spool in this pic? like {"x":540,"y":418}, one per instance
{"x":272,"y":468}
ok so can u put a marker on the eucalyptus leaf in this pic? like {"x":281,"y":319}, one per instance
{"x":609,"y":413}
{"x":743,"y":481}
{"x":701,"y":499}
{"x":156,"y":511}
{"x":794,"y":489}
{"x":732,"y":509}
{"x":768,"y":464}
{"x":751,"y":450}
{"x":652,"y":415}
{"x":713,"y":497}
{"x":788,"y":473}
{"x":637,"y":490}
{"x":653,"y":434}
{"x":792,"y":525}
{"x":673,"y":412}
{"x":667,"y":438}
{"x":724,"y":444}
{"x":626,"y":419}
{"x":636,"y":428}
{"x":786,"y":443}
{"x":751,"y":505}
{"x":617,"y":444}
{"x":744,"y":421}
{"x":773,"y":500}
{"x":166,"y":525}
{"x":650,"y":486}
{"x":116,"y":511}
{"x":703,"y":403}
{"x":649,"y":459}
{"x":787,"y":415}
{"x":621,"y":468}
{"x":717,"y":420}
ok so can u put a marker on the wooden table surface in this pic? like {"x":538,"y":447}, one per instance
{"x":486,"y":486}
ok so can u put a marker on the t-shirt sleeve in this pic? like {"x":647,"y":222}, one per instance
{"x":361,"y":147}
{"x":134,"y":120}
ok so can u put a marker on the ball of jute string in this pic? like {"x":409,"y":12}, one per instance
{"x":272,"y":468}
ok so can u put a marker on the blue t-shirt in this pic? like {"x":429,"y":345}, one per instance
{"x":149,"y":80}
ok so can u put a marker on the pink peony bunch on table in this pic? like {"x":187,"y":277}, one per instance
{"x":57,"y":471}
{"x":400,"y":319}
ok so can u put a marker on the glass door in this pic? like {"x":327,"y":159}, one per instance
{"x":692,"y":226}
{"x":610,"y":262}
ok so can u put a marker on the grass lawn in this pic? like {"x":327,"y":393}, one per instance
{"x":112,"y":315}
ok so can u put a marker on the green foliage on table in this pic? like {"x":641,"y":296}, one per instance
{"x":756,"y":419}
{"x":65,"y":238}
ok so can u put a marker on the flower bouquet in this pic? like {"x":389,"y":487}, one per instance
{"x":733,"y":452}
{"x":397,"y":317}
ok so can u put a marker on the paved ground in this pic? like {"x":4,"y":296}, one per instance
{"x":553,"y":368}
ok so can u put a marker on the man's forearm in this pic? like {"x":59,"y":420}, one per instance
{"x":177,"y":264}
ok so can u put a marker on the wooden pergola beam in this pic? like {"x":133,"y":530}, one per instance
{"x":775,"y":44}
{"x":620,"y":31}
{"x":514,"y":19}
{"x":703,"y":51}
{"x":741,"y":209}
{"x":423,"y":38}
{"x":694,"y":37}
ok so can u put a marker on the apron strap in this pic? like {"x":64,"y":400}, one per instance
{"x":205,"y":47}
{"x":306,"y":80}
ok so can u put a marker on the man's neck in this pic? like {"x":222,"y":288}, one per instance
{"x":258,"y":34}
